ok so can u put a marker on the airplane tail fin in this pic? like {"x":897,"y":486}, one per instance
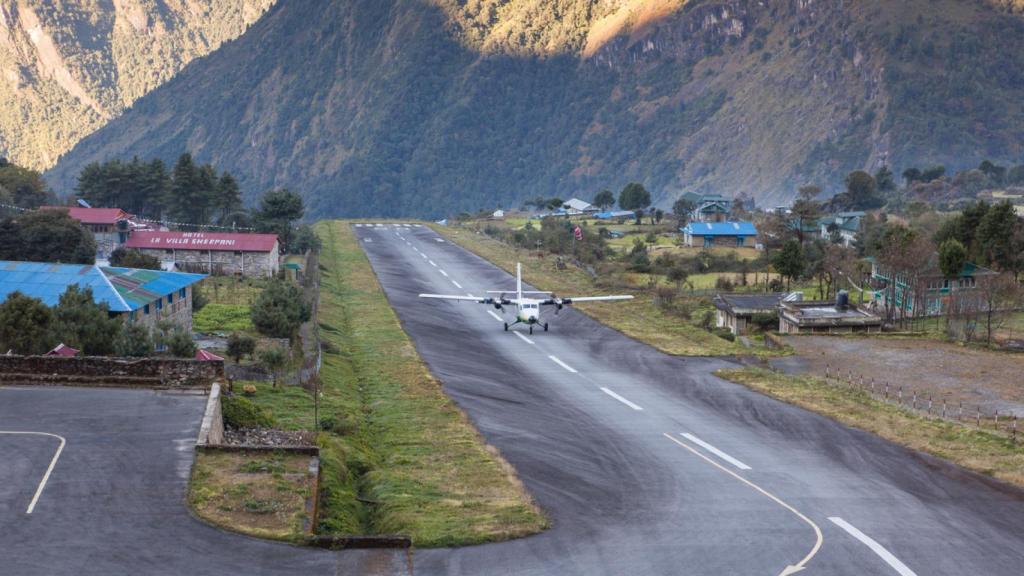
{"x":519,"y":281}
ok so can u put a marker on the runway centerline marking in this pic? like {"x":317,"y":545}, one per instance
{"x":443,"y":273}
{"x":715,"y":451}
{"x":424,"y":255}
{"x":791,"y":569}
{"x":432,"y":264}
{"x":496,"y":317}
{"x":563,"y":364}
{"x":49,"y":469}
{"x":875,"y":547}
{"x":523,"y":338}
{"x":457,"y":285}
{"x":620,"y":399}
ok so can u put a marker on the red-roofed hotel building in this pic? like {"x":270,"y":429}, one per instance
{"x":109,"y":226}
{"x":219,"y":253}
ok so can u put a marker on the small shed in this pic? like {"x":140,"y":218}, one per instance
{"x":63,"y":349}
{"x":735,"y":311}
{"x":206,"y":356}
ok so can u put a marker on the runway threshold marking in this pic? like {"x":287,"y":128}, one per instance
{"x":715,"y":451}
{"x":496,"y":317}
{"x":875,"y":547}
{"x":49,"y":469}
{"x":792,"y":568}
{"x":620,"y":399}
{"x":457,"y":285}
{"x":523,"y":338}
{"x":562,"y":364}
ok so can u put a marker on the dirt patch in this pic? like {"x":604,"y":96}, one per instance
{"x":258,"y":493}
{"x":978,"y":378}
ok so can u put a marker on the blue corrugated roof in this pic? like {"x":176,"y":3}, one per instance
{"x":121,"y":289}
{"x":721,"y":229}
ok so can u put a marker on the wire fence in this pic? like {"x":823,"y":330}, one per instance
{"x":925,"y":403}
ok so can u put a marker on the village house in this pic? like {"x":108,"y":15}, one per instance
{"x":142,"y":296}
{"x":720,"y":235}
{"x":736,"y":311}
{"x":839,"y":317}
{"x":931,"y":287}
{"x":844,"y":226}
{"x":218,"y":253}
{"x":708,"y":207}
{"x":109,"y":226}
{"x":576,"y":207}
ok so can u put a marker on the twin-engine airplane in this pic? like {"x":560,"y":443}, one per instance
{"x":527,"y":309}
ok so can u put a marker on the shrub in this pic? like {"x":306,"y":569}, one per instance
{"x":180,"y":344}
{"x":279,"y":310}
{"x":724,"y":283}
{"x":765,"y":321}
{"x":240,"y":345}
{"x":249,"y":389}
{"x":134,"y":341}
{"x":129,"y":258}
{"x":725,"y":334}
{"x":241,"y":412}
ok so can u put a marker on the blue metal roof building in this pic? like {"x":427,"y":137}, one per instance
{"x":121,"y":289}
{"x":720,"y":234}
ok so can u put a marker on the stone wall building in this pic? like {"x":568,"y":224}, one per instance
{"x":109,"y":226}
{"x":218,"y":253}
{"x":142,"y":296}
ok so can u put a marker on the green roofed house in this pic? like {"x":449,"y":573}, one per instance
{"x":142,"y":296}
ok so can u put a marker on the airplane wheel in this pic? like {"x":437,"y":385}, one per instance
{"x":506,"y":326}
{"x":545,"y":326}
{"x":531,"y":330}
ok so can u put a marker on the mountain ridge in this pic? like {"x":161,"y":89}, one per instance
{"x":415,"y":108}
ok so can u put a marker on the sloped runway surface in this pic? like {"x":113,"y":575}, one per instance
{"x":648,"y":464}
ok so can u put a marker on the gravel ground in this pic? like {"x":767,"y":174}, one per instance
{"x":957,"y":373}
{"x":267,"y":437}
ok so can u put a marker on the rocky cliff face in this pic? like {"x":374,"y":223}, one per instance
{"x":69,"y":66}
{"x":401,"y":107}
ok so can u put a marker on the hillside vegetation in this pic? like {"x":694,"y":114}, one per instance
{"x":69,"y":66}
{"x":380,"y":107}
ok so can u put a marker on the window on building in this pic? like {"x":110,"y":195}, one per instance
{"x":739,"y":241}
{"x":168,"y":252}
{"x":160,"y":304}
{"x":181,"y":293}
{"x":707,"y":241}
{"x":170,"y":298}
{"x":131,"y":316}
{"x":145,"y":309}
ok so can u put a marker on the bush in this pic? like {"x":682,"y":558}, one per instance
{"x":725,"y":334}
{"x":724,"y":283}
{"x":241,"y":412}
{"x":129,"y":258}
{"x":765,"y":321}
{"x":134,"y":341}
{"x":249,"y":389}
{"x":279,"y":310}
{"x":180,"y":344}
{"x":240,"y":345}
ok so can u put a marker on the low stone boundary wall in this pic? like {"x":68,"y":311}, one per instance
{"x":104,"y":371}
{"x":211,"y":431}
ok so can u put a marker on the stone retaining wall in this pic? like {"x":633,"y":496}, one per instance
{"x":104,"y":371}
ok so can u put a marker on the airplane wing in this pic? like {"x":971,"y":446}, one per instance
{"x":563,"y":301}
{"x":452,"y":297}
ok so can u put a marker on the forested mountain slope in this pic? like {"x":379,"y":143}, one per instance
{"x":425,"y":107}
{"x":68,"y":66}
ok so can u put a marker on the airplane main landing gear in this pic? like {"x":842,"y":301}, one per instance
{"x":506,"y":326}
{"x":531,"y":329}
{"x":545,"y":326}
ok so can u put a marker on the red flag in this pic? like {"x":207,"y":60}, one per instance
{"x":578,"y":233}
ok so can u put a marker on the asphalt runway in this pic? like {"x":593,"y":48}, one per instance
{"x":648,"y":464}
{"x":114,"y":503}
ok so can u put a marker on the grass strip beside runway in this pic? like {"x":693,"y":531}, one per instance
{"x":988,"y":453}
{"x":402,"y":458}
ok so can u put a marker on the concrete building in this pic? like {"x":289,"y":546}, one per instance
{"x":142,"y":296}
{"x":720,"y":235}
{"x":838,"y":317}
{"x":930,"y":287}
{"x":109,"y":226}
{"x":218,"y":253}
{"x":708,"y":207}
{"x":845,"y":225}
{"x":735,"y":311}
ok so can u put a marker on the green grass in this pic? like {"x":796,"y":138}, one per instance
{"x":982,"y":451}
{"x":407,"y":459}
{"x":223,"y":318}
{"x":232,"y":290}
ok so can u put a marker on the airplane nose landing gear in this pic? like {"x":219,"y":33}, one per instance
{"x":545,"y":326}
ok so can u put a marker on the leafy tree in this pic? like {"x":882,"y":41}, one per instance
{"x":861,"y":187}
{"x":46,"y":236}
{"x":26,"y":187}
{"x":911,"y":175}
{"x":134,"y":341}
{"x":80,"y":322}
{"x":25,"y":324}
{"x":1015,"y":177}
{"x":995,"y":173}
{"x":305,"y":240}
{"x":885,"y":180}
{"x":678,"y":275}
{"x":634,"y":197}
{"x":933,"y":173}
{"x":240,"y":345}
{"x":274,"y":359}
{"x":681,"y":208}
{"x":278,"y":209}
{"x":789,"y":261}
{"x":180,"y":344}
{"x":806,"y":210}
{"x":604,"y":199}
{"x":123,"y":257}
{"x":554,"y":203}
{"x":279,"y":310}
{"x":995,"y":236}
{"x":952,"y":257}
